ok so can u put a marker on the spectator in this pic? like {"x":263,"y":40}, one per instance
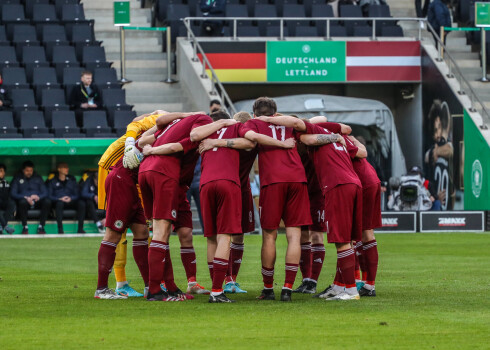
{"x":6,"y":203}
{"x":214,"y":106}
{"x":421,"y":10}
{"x":439,"y":16}
{"x":30,"y":192}
{"x":366,"y":3}
{"x":89,"y":195}
{"x":212,"y":8}
{"x":5,"y":101}
{"x":85,"y":97}
{"x":193,"y":191}
{"x":63,"y":192}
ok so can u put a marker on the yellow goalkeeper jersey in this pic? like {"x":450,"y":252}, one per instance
{"x":116,"y":150}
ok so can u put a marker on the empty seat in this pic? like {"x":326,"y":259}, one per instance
{"x":251,"y":5}
{"x":13,"y":13}
{"x":33,"y":54}
{"x":14,"y":78}
{"x":54,"y":33}
{"x":82,"y":33}
{"x":72,"y":75}
{"x":44,"y":76}
{"x":4,"y":41}
{"x":305,"y":31}
{"x":72,"y":13}
{"x":64,"y":123}
{"x":393,"y":31}
{"x":32,"y":123}
{"x":237,"y":11}
{"x":321,"y":11}
{"x":362,"y":31}
{"x":58,"y":4}
{"x":95,"y":122}
{"x":280,"y":4}
{"x":63,"y":54}
{"x":248,"y":31}
{"x":8,"y":58}
{"x":115,"y":99}
{"x":24,"y":33}
{"x":106,"y":78}
{"x":23,"y":100}
{"x":294,"y":10}
{"x":308,"y":4}
{"x":121,"y":121}
{"x":53,"y":100}
{"x":7,"y":124}
{"x":263,"y":10}
{"x":276,"y":31}
{"x":338,"y":31}
{"x":351,"y":11}
{"x":29,"y":6}
{"x":94,"y":57}
{"x":44,"y":13}
{"x":74,"y":136}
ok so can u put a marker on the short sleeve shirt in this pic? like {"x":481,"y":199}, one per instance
{"x":276,"y":164}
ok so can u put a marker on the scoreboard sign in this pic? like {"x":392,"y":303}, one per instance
{"x":402,"y":222}
{"x":471,"y":221}
{"x":482,"y":14}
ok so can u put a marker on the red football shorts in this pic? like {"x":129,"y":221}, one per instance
{"x":286,"y":200}
{"x":184,"y":214}
{"x":123,"y":203}
{"x":221,"y":211}
{"x":160,"y":195}
{"x":248,"y":220}
{"x":317,"y":212}
{"x":343,"y":213}
{"x":371,"y":207}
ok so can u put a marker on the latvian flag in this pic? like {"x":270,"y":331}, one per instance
{"x":383,"y":61}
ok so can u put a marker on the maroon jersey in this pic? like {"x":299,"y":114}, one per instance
{"x":221,"y":163}
{"x":176,"y":131}
{"x":247,"y":159}
{"x":188,"y":162}
{"x":363,"y":169}
{"x":313,"y":184}
{"x":333,"y":127}
{"x":276,"y":164}
{"x":332,"y":162}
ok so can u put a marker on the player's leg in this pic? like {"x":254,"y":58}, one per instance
{"x":293,"y":254}
{"x":122,"y":284}
{"x":140,"y":251}
{"x":59,"y":206}
{"x":220,"y":266}
{"x":106,"y":256}
{"x":317,"y":259}
{"x":268,"y":258}
{"x":234,"y":264}
{"x":305,"y":260}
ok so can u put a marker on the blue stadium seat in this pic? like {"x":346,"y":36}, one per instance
{"x":352,"y":11}
{"x":7,"y":127}
{"x":95,"y":122}
{"x":8,"y":58}
{"x":32,"y":123}
{"x":64,"y":124}
{"x":14,"y":78}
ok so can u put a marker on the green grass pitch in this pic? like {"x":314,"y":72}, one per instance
{"x":433,"y":293}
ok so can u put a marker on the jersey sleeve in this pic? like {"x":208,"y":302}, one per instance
{"x":136,"y":128}
{"x":313,"y":129}
{"x":202,"y":120}
{"x":248,"y":126}
{"x":188,"y":145}
{"x":351,"y":147}
{"x":333,"y":127}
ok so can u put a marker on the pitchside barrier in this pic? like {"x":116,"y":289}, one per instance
{"x":434,"y":221}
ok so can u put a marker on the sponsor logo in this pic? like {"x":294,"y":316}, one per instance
{"x":452,"y":221}
{"x":319,"y":260}
{"x":174,"y":213}
{"x":389,"y":222}
{"x":476,"y":178}
{"x":194,"y":261}
{"x":118,"y":224}
{"x":239,"y":261}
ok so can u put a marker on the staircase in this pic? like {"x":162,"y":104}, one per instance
{"x":146,"y":63}
{"x":467,"y":60}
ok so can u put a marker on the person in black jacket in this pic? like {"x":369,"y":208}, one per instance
{"x":85,"y":97}
{"x":30,"y":192}
{"x":439,"y":16}
{"x":5,"y":101}
{"x":6,"y":203}
{"x":90,"y":196}
{"x":63,"y":192}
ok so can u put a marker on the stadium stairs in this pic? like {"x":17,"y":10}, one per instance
{"x":146,"y":64}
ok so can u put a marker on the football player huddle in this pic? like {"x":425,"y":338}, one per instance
{"x":313,"y":176}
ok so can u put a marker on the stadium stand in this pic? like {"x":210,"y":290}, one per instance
{"x":45,"y":45}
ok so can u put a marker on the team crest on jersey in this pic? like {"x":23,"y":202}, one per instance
{"x":118,"y":224}
{"x":174,"y":213}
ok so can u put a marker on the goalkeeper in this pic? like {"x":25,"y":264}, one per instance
{"x":124,"y":146}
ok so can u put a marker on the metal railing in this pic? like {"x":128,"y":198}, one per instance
{"x":168,"y":50}
{"x":464,"y":86}
{"x":214,"y":78}
{"x":327,"y":21}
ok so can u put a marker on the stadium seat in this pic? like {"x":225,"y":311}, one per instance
{"x":265,"y":10}
{"x":58,"y":4}
{"x":72,"y":75}
{"x":393,"y":31}
{"x":24,"y":33}
{"x":32,"y":123}
{"x":72,"y":13}
{"x":275,"y":31}
{"x":337,"y":31}
{"x":308,"y":4}
{"x":237,"y":11}
{"x":13,"y":13}
{"x":121,"y":121}
{"x":23,"y":100}
{"x":64,"y":123}
{"x":52,"y":100}
{"x":4,"y":41}
{"x":161,"y":8}
{"x":29,"y":6}
{"x":44,"y":14}
{"x":33,"y":57}
{"x":41,"y":135}
{"x":248,"y":31}
{"x":94,"y":57}
{"x":321,"y":11}
{"x":251,"y":4}
{"x":115,"y":99}
{"x":7,"y":124}
{"x":294,"y":10}
{"x":14,"y":78}
{"x":44,"y":76}
{"x":54,"y":33}
{"x":362,"y":31}
{"x":74,"y":136}
{"x":82,"y":33}
{"x":95,"y":122}
{"x":281,"y":3}
{"x":351,"y":11}
{"x":106,"y":78}
{"x":8,"y":58}
{"x":306,"y":31}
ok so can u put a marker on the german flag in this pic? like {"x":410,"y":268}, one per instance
{"x":236,"y":61}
